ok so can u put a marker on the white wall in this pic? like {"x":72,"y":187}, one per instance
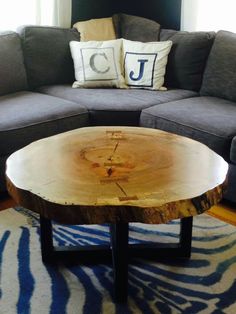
{"x":14,"y":13}
{"x":188,"y":15}
{"x":201,"y":15}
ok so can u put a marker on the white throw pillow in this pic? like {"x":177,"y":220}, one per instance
{"x":97,"y":63}
{"x":144,"y":64}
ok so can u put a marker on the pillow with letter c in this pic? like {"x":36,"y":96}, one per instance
{"x":145,"y":63}
{"x":97,"y":63}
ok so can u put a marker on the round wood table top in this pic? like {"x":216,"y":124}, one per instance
{"x":116,"y":174}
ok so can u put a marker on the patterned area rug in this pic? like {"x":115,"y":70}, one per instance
{"x":204,"y":284}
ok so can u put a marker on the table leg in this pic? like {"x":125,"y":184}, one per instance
{"x":158,"y":251}
{"x":86,"y":254}
{"x":186,"y":225}
{"x":120,"y":251}
{"x":119,"y":244}
{"x":46,"y":239}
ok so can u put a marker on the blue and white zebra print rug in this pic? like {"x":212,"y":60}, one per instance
{"x":204,"y":284}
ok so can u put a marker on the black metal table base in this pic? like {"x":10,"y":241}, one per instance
{"x":119,"y":252}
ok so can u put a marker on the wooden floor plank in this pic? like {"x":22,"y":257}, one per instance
{"x":224,"y":212}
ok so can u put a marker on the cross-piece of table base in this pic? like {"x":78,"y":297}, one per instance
{"x":116,"y":175}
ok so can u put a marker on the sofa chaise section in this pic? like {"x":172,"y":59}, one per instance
{"x":211,"y":117}
{"x":26,"y":117}
{"x":209,"y":120}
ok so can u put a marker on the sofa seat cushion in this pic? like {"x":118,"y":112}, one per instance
{"x":115,"y":106}
{"x":26,"y":117}
{"x":209,"y":120}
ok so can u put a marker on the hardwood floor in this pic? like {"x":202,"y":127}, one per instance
{"x":224,"y":211}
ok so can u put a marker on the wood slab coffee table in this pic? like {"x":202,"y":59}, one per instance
{"x":116,"y":175}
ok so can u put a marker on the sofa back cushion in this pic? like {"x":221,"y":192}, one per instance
{"x":135,"y":28}
{"x":12,"y":69}
{"x":187,"y":58}
{"x":220,"y":75}
{"x":47,"y":54}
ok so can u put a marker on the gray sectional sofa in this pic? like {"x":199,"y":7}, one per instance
{"x":37,"y":100}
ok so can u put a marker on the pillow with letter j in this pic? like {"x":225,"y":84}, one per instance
{"x":145,"y":63}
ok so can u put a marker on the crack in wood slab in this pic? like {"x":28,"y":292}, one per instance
{"x":110,"y":170}
{"x":120,"y":187}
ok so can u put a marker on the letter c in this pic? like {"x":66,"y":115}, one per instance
{"x":93,"y":66}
